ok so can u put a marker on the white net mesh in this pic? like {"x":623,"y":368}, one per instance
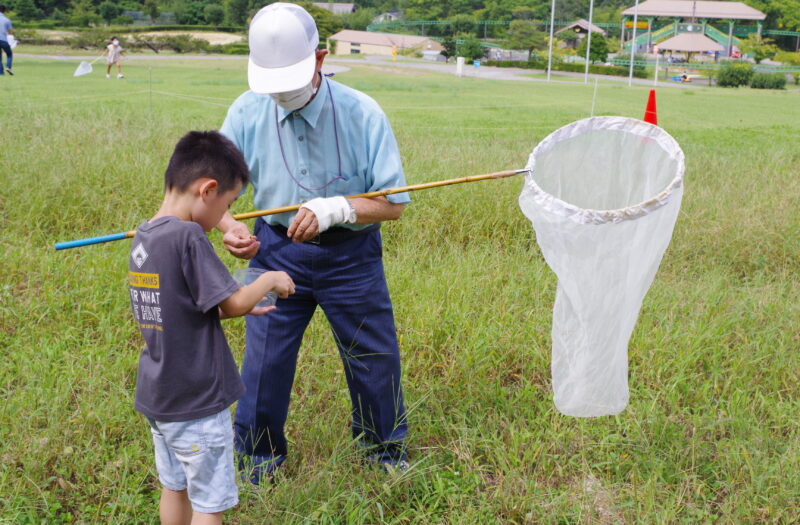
{"x":603,"y":196}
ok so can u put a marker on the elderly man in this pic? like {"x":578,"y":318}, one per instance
{"x":309,"y":139}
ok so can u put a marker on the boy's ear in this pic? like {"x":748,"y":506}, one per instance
{"x":207,"y":186}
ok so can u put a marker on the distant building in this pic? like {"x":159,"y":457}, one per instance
{"x":349,"y":42}
{"x":335,"y":7}
{"x":388,"y":16}
{"x":579,"y":28}
{"x":433,"y":54}
{"x":582,"y":27}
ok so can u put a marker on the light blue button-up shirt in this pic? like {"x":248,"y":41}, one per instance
{"x":5,"y":25}
{"x":339,"y":144}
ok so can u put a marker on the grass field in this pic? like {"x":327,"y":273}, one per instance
{"x":712,"y":432}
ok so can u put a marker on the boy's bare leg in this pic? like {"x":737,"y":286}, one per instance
{"x":175,"y":508}
{"x":108,"y":69}
{"x":199,"y":518}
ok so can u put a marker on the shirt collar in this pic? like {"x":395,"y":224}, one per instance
{"x":312,"y":111}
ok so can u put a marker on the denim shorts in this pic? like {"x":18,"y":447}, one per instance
{"x":197,"y":456}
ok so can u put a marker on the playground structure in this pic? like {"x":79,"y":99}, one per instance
{"x":688,"y":17}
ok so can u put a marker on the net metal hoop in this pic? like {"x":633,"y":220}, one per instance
{"x":589,"y":216}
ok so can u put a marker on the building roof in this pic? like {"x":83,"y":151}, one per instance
{"x":700,"y":9}
{"x":583,"y":24}
{"x":690,"y":43}
{"x":336,"y":8}
{"x":381,"y":39}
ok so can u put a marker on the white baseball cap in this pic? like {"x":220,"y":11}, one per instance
{"x":283,"y":44}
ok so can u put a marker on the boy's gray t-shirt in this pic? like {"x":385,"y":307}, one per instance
{"x":186,"y":370}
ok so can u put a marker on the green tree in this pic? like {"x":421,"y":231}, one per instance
{"x":26,"y":10}
{"x":83,"y":14}
{"x":449,"y":46}
{"x":151,"y":9}
{"x":237,"y":11}
{"x":214,"y":14}
{"x":523,"y":12}
{"x":463,"y":24}
{"x":788,"y":14}
{"x":360,"y":19}
{"x":522,"y":34}
{"x":190,"y":13}
{"x":109,"y":11}
{"x":471,"y":48}
{"x":327,"y":23}
{"x":599,"y":51}
{"x":759,"y":48}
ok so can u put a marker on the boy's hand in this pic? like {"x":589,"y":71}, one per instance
{"x":262,"y":310}
{"x":282,"y":284}
{"x":239,"y":242}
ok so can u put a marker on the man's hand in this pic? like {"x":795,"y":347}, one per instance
{"x":239,"y":242}
{"x":304,"y":226}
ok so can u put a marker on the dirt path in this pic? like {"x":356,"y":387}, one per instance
{"x":499,"y":73}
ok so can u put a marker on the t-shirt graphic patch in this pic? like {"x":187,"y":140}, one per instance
{"x":139,"y":255}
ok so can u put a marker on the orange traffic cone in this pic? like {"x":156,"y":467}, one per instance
{"x":650,"y":112}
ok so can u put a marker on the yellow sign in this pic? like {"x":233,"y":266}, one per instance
{"x":143,"y":280}
{"x":639,"y":24}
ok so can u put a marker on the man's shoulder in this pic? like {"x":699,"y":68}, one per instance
{"x":353,"y":98}
{"x":247,"y":100}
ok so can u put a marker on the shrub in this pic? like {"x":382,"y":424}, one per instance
{"x":88,"y":40}
{"x":768,"y":81}
{"x":541,"y":63}
{"x":123,"y":20}
{"x":734,"y":74}
{"x":182,"y":43}
{"x":234,"y":48}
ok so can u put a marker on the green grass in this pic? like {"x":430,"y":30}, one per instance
{"x":712,"y":432}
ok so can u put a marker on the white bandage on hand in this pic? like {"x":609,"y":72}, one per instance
{"x":329,"y":211}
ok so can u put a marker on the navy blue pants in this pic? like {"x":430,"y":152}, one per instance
{"x":347,"y":280}
{"x":6,"y":48}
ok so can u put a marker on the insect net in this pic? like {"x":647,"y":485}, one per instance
{"x":603,"y":195}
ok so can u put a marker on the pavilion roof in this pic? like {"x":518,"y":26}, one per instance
{"x":699,"y":9}
{"x":690,"y":43}
{"x":583,"y":24}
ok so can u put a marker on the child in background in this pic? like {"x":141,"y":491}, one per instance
{"x":180,"y":289}
{"x":114,"y":54}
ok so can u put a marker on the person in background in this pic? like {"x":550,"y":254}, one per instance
{"x":114,"y":54}
{"x":179,"y":290}
{"x":5,"y":29}
{"x":309,"y":139}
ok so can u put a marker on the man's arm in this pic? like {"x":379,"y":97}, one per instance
{"x":368,"y":211}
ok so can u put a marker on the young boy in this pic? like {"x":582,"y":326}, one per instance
{"x":179,"y":290}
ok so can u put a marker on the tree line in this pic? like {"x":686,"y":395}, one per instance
{"x":781,"y":14}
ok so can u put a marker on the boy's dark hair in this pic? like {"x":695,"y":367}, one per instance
{"x":2,"y":8}
{"x":205,"y":154}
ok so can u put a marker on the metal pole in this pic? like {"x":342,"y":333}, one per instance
{"x":588,"y":43}
{"x":655,"y":75}
{"x":550,"y":51}
{"x":633,"y":42}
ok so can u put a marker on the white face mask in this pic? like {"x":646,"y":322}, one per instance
{"x":115,"y":42}
{"x":296,"y":99}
